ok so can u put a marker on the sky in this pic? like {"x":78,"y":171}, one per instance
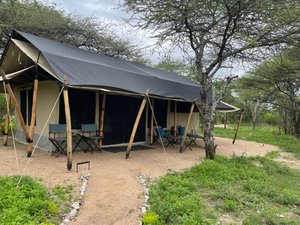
{"x":110,"y":11}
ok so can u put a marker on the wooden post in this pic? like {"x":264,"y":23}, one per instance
{"x":147,"y":130}
{"x":151,"y":125}
{"x":102,"y":120}
{"x":175,"y":118}
{"x":16,"y":105}
{"x":186,"y":128}
{"x":33,"y":116}
{"x":135,"y":126}
{"x":5,"y":140}
{"x":238,"y":126}
{"x":68,"y":124}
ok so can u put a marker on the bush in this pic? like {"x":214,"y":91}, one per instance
{"x":150,"y":218}
{"x":30,"y":203}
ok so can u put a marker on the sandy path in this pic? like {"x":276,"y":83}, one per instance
{"x":114,"y":193}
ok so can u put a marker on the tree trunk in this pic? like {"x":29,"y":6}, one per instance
{"x":253,"y":125}
{"x":210,"y":147}
{"x":208,"y":112}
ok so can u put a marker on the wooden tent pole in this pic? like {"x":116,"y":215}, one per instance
{"x":5,"y":140}
{"x":186,"y":128}
{"x":238,"y":126}
{"x":135,"y":126}
{"x":102,"y":120}
{"x":151,"y":125}
{"x":175,"y":118}
{"x":16,"y":105}
{"x":68,"y":124}
{"x":33,"y":115}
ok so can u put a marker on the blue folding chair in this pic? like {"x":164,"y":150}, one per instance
{"x":90,"y":135}
{"x":165,"y":136}
{"x":58,"y":137}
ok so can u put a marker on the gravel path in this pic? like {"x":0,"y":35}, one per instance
{"x":114,"y":193}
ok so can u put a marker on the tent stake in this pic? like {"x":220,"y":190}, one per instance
{"x":16,"y":105}
{"x":238,"y":126}
{"x":101,"y":132}
{"x":68,"y":124}
{"x":135,"y":126}
{"x":151,"y":125}
{"x":33,"y":116}
{"x":186,"y":128}
{"x":5,"y":140}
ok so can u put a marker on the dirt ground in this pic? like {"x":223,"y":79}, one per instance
{"x":114,"y":194}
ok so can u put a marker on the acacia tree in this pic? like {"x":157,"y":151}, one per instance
{"x":215,"y":31}
{"x":48,"y":21}
{"x":278,"y":80}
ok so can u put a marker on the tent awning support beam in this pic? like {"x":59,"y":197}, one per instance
{"x":16,"y":105}
{"x":5,"y":139}
{"x":135,"y":126}
{"x":186,"y":128}
{"x":68,"y":124}
{"x":101,"y":132}
{"x":152,"y":120}
{"x":238,"y":126}
{"x":33,"y":113}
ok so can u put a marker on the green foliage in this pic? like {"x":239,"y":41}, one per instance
{"x":270,"y":118}
{"x":262,"y":134}
{"x":272,"y":155}
{"x":47,"y":20}
{"x":277,"y":83}
{"x":230,"y":205}
{"x":254,"y":194}
{"x":150,"y":218}
{"x":31,"y":203}
{"x":178,"y":67}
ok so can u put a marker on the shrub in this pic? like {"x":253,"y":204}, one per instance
{"x":30,"y":203}
{"x":150,"y":217}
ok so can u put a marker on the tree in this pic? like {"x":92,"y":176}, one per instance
{"x":254,"y":100}
{"x":278,"y":80}
{"x":177,"y":66}
{"x":48,"y":21}
{"x":214,"y":32}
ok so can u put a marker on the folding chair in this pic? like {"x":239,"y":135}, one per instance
{"x":58,"y":137}
{"x":192,"y":139}
{"x":167,"y":136}
{"x":155,"y":135}
{"x":90,"y":135}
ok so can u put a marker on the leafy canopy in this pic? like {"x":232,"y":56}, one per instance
{"x":48,"y":21}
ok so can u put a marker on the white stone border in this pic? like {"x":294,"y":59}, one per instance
{"x":76,"y":205}
{"x":145,"y":205}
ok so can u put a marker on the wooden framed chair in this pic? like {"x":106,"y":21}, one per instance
{"x":90,"y":135}
{"x":58,"y":137}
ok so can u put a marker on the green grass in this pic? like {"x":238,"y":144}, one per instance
{"x":262,"y":134}
{"x":250,"y":190}
{"x":31,"y":203}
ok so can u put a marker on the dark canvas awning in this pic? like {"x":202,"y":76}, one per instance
{"x":92,"y":70}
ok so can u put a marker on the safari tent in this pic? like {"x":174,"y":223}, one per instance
{"x":54,"y":83}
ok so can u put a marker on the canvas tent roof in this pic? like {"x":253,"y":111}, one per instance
{"x":92,"y":70}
